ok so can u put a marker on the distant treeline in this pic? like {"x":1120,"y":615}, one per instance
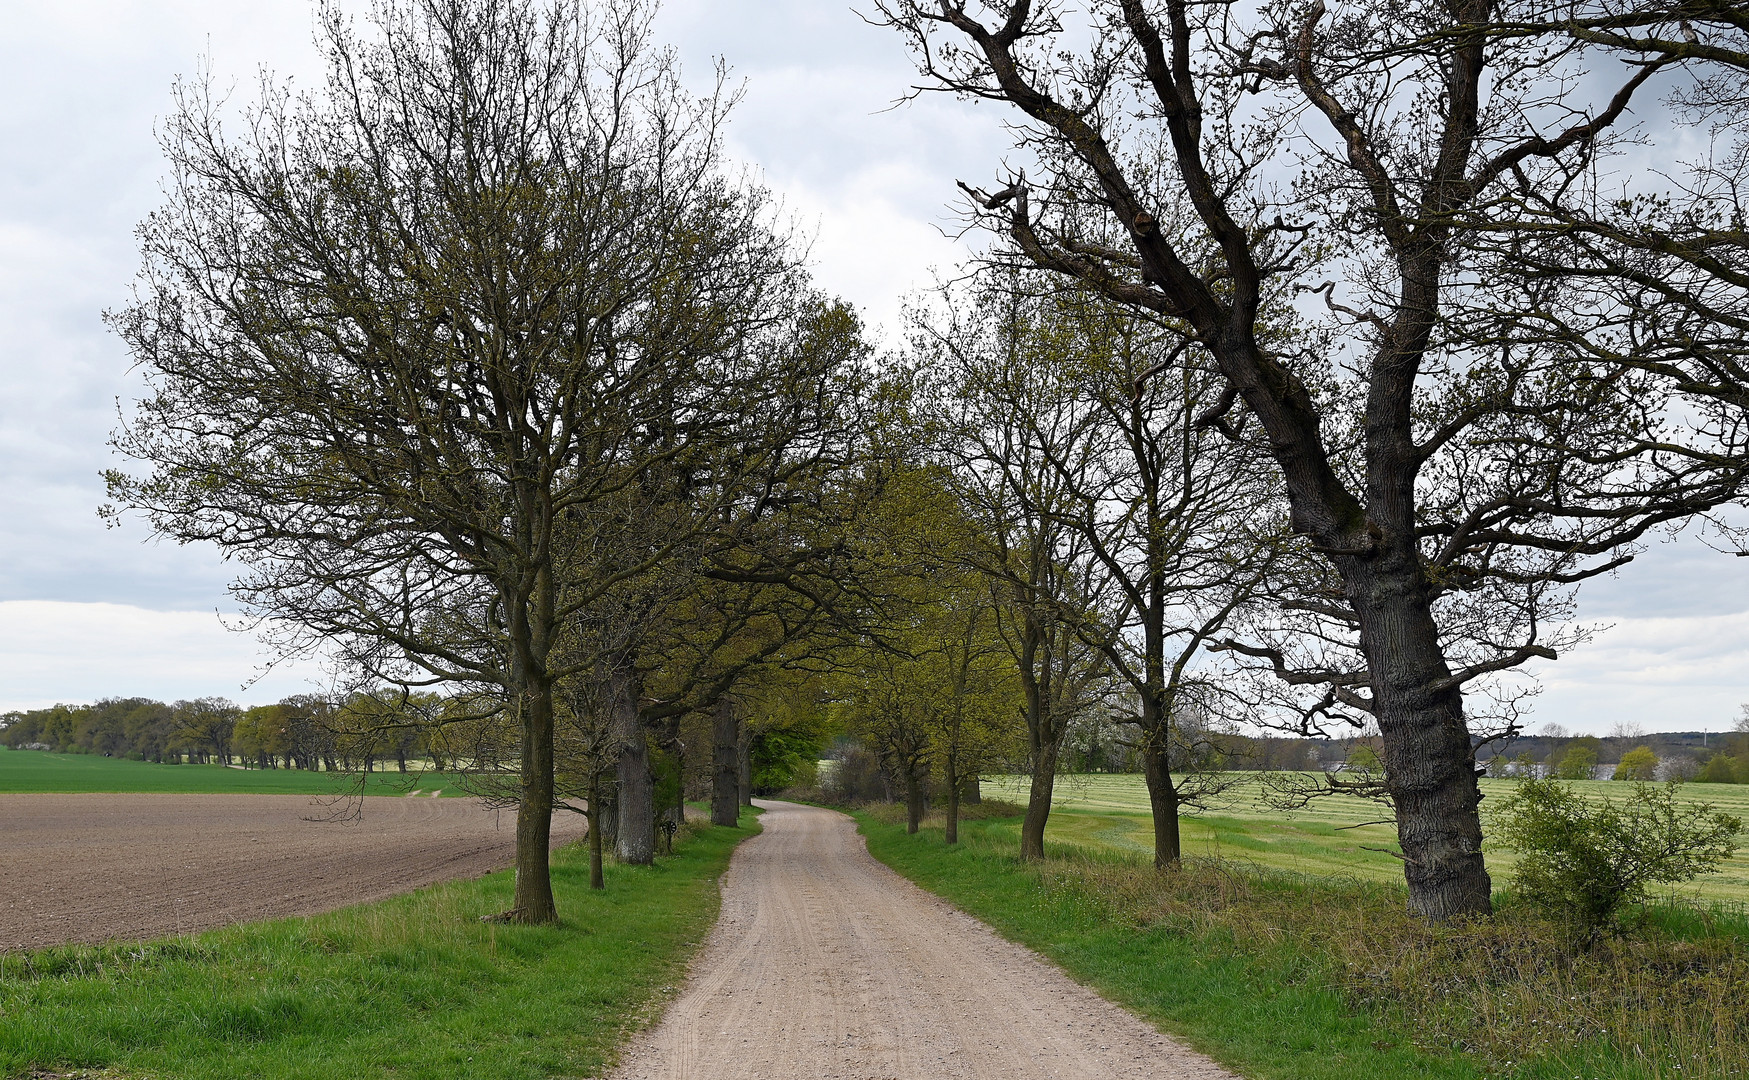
{"x":1685,"y":755}
{"x":301,"y":732}
{"x":1706,"y":757}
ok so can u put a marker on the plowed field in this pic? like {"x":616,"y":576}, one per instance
{"x":88,"y":868}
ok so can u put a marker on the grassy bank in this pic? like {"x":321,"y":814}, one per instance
{"x":413,"y":987}
{"x":35,"y":771}
{"x":1298,"y":977}
{"x":1330,"y":838}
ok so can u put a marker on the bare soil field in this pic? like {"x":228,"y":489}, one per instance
{"x":826,"y":965}
{"x":89,"y":868}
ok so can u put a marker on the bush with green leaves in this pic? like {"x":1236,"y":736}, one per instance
{"x":1588,"y":858}
{"x":1719,"y":769}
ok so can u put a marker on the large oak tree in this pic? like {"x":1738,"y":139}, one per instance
{"x":1325,"y":204}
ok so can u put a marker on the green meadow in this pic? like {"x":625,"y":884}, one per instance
{"x":1330,"y":839}
{"x":28,"y":771}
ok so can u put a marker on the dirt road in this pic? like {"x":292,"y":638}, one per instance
{"x":828,"y":966}
{"x":95,"y":867}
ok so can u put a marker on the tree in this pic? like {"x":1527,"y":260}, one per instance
{"x":420,"y":345}
{"x":1640,"y":764}
{"x":1578,"y":762}
{"x":1112,"y":512}
{"x":1450,"y":469}
{"x":1014,"y":429}
{"x":206,"y":726}
{"x":262,"y":735}
{"x":930,"y":687}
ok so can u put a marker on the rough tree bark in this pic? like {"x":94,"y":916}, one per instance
{"x":914,"y":799}
{"x":635,"y":843}
{"x":952,"y":781}
{"x":744,"y":764}
{"x":1044,"y":737}
{"x":726,"y":767}
{"x":597,"y":880}
{"x":1156,"y":754}
{"x":533,"y":901}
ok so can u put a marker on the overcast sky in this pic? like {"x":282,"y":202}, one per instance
{"x":88,"y":611}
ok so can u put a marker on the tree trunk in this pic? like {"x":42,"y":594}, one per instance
{"x":597,"y":880}
{"x":971,"y":790}
{"x":1038,"y":801}
{"x":744,"y":764}
{"x":534,"y":813}
{"x":913,"y":799}
{"x":1425,"y":742}
{"x":610,"y":813}
{"x":636,"y":842}
{"x":726,"y":765}
{"x":1162,"y":796}
{"x":953,"y":802}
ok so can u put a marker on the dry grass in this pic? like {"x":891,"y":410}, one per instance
{"x":1669,"y":999}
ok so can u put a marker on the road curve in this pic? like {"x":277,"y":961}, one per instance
{"x":826,"y":965}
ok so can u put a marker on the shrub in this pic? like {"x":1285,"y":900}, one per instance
{"x":1639,"y":764}
{"x":1587,"y":859}
{"x":1720,"y":769}
{"x":855,"y":777}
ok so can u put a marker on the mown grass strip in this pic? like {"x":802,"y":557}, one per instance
{"x":1278,"y":975}
{"x":411,"y":987}
{"x":42,"y":772}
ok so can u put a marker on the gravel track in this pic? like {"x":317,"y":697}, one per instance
{"x":826,"y":965}
{"x":89,"y":868}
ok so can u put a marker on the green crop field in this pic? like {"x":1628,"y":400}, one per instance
{"x":24,"y":771}
{"x":1330,"y":839}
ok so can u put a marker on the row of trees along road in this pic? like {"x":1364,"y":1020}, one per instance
{"x":1312,"y":363}
{"x":1482,"y":365}
{"x":477,"y":359}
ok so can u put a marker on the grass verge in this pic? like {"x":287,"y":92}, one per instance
{"x":414,"y":987}
{"x":1281,"y":975}
{"x":42,"y":772}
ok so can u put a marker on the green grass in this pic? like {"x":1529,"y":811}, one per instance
{"x":1111,"y":811}
{"x":411,"y":987}
{"x":1279,"y":974}
{"x":23,"y":771}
